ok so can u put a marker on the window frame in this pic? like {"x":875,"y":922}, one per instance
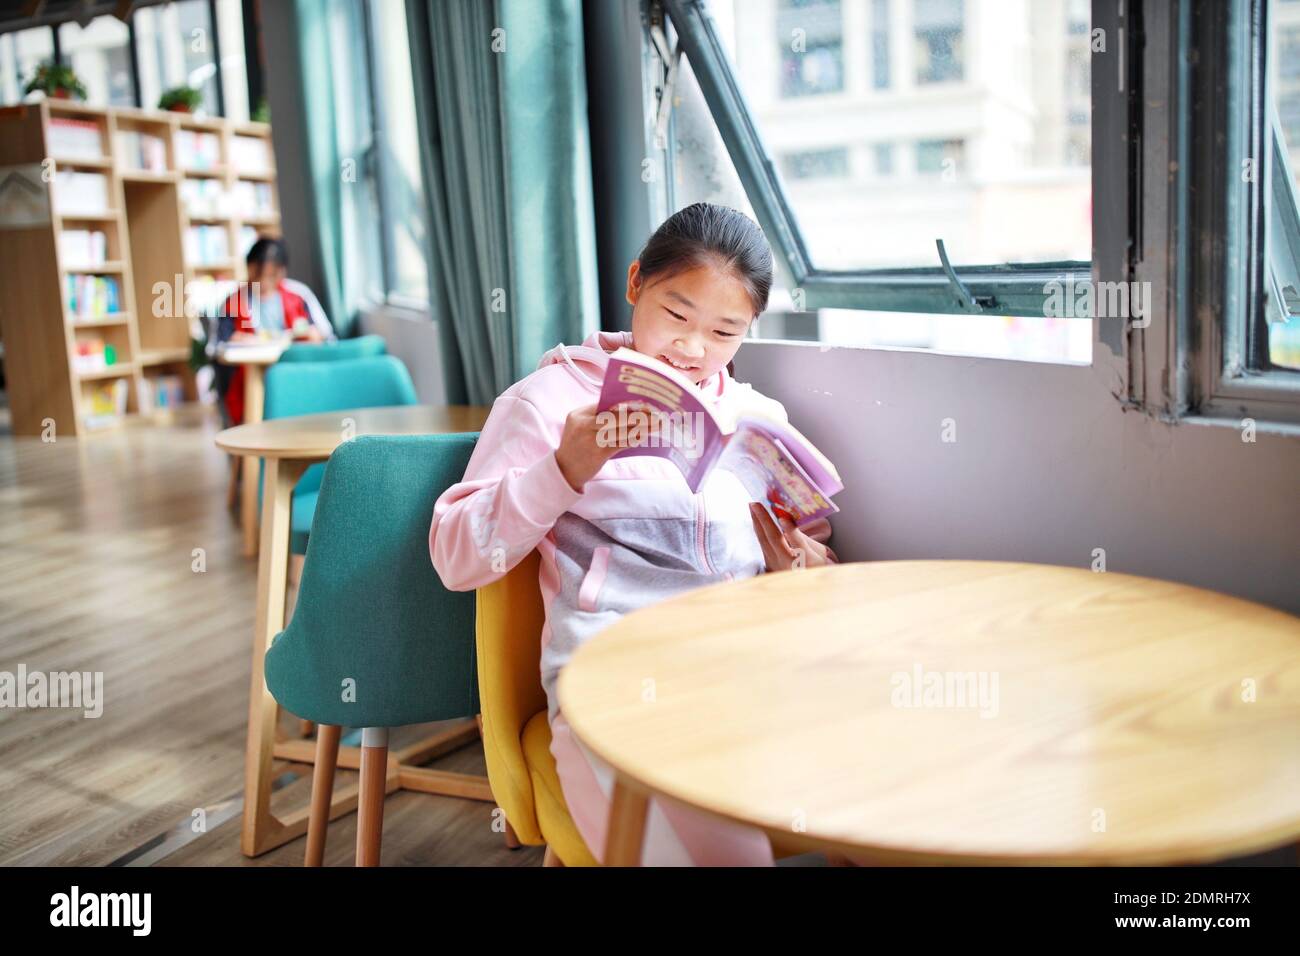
{"x":1003,"y":289}
{"x":1214,"y":374}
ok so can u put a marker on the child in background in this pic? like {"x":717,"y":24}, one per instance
{"x":615,"y":535}
{"x":272,"y":302}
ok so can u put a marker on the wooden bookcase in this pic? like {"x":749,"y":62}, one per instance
{"x":150,"y":220}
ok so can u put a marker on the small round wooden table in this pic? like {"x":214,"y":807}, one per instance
{"x":954,"y":712}
{"x":290,"y":446}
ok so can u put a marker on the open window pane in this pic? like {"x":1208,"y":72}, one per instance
{"x":893,"y":123}
{"x":702,"y":171}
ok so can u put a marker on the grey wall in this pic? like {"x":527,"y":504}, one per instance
{"x":1046,"y":467}
{"x":413,"y":336}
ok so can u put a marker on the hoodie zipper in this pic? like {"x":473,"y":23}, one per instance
{"x":700,"y":521}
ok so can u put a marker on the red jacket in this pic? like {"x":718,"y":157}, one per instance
{"x":237,"y":307}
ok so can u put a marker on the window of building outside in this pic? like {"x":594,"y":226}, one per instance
{"x":809,"y":36}
{"x":100,"y":54}
{"x":938,"y":26}
{"x":21,"y":52}
{"x":1012,"y":127}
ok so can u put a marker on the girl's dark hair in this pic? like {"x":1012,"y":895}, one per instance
{"x":705,"y":234}
{"x":710,"y":234}
{"x":268,"y":251}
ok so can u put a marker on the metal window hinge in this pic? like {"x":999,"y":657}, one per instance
{"x":972,"y":303}
{"x":670,"y":58}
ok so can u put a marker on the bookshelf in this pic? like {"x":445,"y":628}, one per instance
{"x":146,"y":213}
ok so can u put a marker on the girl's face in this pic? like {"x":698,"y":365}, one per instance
{"x":694,"y":320}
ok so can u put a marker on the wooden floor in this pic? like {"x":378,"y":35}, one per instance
{"x":97,"y":541}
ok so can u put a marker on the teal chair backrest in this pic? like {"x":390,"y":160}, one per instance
{"x":304,"y":388}
{"x":363,"y":346}
{"x":373,"y":620}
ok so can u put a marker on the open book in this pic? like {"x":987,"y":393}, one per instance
{"x":666,"y":417}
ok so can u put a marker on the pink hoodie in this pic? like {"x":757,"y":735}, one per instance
{"x":634,"y":535}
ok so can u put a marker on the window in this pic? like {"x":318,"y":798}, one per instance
{"x":884,"y":154}
{"x":1279,"y":341}
{"x":396,"y":157}
{"x":880,"y":44}
{"x":809,"y":33}
{"x":21,"y":52}
{"x":177,"y":46}
{"x":1022,"y":187}
{"x":100,"y":53}
{"x":939,"y":156}
{"x":817,"y":164}
{"x":938,"y":26}
{"x":861,"y":258}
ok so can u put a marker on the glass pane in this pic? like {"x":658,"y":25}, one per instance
{"x":403,"y":200}
{"x":1283,"y":57}
{"x":703,"y":172}
{"x":962,"y":120}
{"x":234,"y":70}
{"x":176,"y":49}
{"x":21,"y":52}
{"x":100,"y":54}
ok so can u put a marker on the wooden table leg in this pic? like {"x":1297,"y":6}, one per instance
{"x":626,"y":832}
{"x":272,"y":574}
{"x":254,"y":402}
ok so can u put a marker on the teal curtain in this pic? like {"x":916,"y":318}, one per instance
{"x":501,"y":98}
{"x":336,"y":118}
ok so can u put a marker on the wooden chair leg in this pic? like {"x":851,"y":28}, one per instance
{"x":551,"y":858}
{"x":370,"y":805}
{"x":322,"y":792}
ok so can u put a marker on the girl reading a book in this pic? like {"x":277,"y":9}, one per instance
{"x":616,"y":534}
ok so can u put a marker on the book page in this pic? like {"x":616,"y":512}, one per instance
{"x":773,"y":476}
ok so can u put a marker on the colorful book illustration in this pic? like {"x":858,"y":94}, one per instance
{"x":776,"y":464}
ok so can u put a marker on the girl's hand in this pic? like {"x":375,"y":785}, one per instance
{"x":787,"y":547}
{"x":585,"y":446}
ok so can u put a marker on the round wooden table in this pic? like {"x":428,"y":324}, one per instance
{"x":289,"y":446}
{"x":954,"y":712}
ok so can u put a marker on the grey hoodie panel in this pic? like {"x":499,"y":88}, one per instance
{"x":650,"y":559}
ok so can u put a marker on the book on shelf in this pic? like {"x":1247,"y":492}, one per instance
{"x":83,"y":247}
{"x":250,"y":155}
{"x":105,"y":403}
{"x":777,"y":465}
{"x":141,"y":151}
{"x":197,"y":150}
{"x":92,"y":296}
{"x":80,"y":193}
{"x":70,"y":138}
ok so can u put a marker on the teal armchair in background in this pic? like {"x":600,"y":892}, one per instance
{"x":376,"y":641}
{"x":363,"y":346}
{"x":305,"y":388}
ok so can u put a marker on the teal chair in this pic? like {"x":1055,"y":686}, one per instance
{"x":304,"y":388}
{"x":376,"y":641}
{"x":363,"y":346}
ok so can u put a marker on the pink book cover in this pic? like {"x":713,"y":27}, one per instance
{"x":774,"y":462}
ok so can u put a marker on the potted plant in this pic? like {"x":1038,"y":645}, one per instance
{"x":181,"y":99}
{"x":56,"y":81}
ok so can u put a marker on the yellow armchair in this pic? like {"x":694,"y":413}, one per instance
{"x":516,"y":734}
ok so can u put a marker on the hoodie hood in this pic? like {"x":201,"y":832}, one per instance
{"x":589,"y":360}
